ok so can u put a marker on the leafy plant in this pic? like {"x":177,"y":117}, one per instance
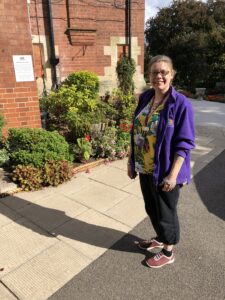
{"x":4,"y":157}
{"x":2,"y":123}
{"x":73,"y":108}
{"x":83,"y":148}
{"x":28,"y":178}
{"x":83,"y":81}
{"x":56,"y":172}
{"x":34,"y":147}
{"x":124,"y":105}
{"x":125,"y":69}
{"x":104,"y":143}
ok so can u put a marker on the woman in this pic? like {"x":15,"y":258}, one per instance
{"x":161,"y":139}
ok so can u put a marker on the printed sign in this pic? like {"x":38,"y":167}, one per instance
{"x":23,"y":67}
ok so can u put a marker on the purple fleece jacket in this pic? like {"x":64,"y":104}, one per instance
{"x":175,"y":135}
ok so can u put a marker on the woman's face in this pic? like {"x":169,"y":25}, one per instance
{"x":161,"y":75}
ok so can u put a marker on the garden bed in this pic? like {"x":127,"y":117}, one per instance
{"x":82,"y":167}
{"x":216,"y":98}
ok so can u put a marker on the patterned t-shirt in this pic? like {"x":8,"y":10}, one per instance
{"x":145,"y":139}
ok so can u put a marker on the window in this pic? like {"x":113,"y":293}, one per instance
{"x":122,"y":50}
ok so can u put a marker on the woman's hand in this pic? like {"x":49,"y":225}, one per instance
{"x":168,"y":183}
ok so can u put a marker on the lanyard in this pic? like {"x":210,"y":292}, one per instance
{"x":154,"y":108}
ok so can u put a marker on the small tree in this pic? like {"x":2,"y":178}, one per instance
{"x":125,"y":71}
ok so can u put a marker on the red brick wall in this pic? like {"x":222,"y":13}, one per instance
{"x":18,"y":100}
{"x":101,"y":16}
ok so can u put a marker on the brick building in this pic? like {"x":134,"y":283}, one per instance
{"x":60,"y":37}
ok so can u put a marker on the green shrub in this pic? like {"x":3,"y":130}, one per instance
{"x":53,"y":173}
{"x":83,"y":81}
{"x":2,"y":123}
{"x":124,"y":105}
{"x":125,"y":71}
{"x":71,"y":111}
{"x":36,"y":146}
{"x":4,"y":157}
{"x":69,"y":99}
{"x":28,"y":178}
{"x":56,"y":172}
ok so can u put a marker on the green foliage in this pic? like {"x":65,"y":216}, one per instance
{"x":83,"y":81}
{"x":2,"y":123}
{"x":73,"y":108}
{"x":192,"y":33}
{"x":104,"y":143}
{"x":124,"y":105}
{"x":28,"y":178}
{"x":53,"y":173}
{"x":36,"y":146}
{"x":56,"y":172}
{"x":125,"y":71}
{"x":83,"y":149}
{"x":105,"y":111}
{"x":113,"y":142}
{"x":122,"y":142}
{"x":67,"y":100}
{"x":4,"y":157}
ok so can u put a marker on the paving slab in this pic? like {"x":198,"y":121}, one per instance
{"x":203,"y":140}
{"x":210,"y":131}
{"x":98,"y":196}
{"x":32,"y":196}
{"x":21,"y":241}
{"x":75,"y":184}
{"x":51,"y":212}
{"x":201,"y":150}
{"x":120,"y":164}
{"x":133,"y":188}
{"x":44,"y":274}
{"x":197,"y":167}
{"x":110,"y":176}
{"x":16,"y":202}
{"x":91,"y":233}
{"x":208,"y":113}
{"x":7,"y":215}
{"x":5,"y":294}
{"x":129,"y":211}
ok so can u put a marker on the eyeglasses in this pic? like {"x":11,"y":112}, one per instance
{"x":163,"y":73}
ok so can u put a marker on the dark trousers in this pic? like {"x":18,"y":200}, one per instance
{"x":161,"y":207}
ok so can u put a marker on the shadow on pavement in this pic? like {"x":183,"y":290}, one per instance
{"x":71,"y":228}
{"x":209,"y":186}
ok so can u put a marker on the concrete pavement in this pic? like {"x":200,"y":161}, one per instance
{"x":49,"y":236}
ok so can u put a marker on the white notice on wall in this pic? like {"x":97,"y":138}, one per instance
{"x":23,"y":67}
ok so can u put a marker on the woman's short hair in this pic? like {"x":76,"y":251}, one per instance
{"x":163,"y":58}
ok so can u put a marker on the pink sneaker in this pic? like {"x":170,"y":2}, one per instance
{"x":160,"y":260}
{"x":150,"y":245}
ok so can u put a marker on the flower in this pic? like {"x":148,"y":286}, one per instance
{"x":125,"y":127}
{"x":87,"y":137}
